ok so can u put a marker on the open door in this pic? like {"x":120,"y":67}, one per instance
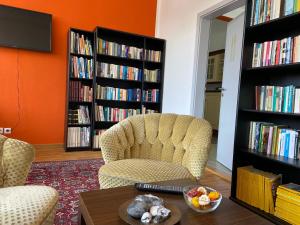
{"x":230,"y":87}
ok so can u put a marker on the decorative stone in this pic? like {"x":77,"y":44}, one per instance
{"x":146,"y":217}
{"x":137,"y":208}
{"x":154,"y":210}
{"x":162,"y":215}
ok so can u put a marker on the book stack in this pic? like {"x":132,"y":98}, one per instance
{"x":276,"y":52}
{"x":288,"y":203}
{"x":273,"y":139}
{"x":79,"y":116}
{"x":78,"y":136}
{"x":148,"y":111}
{"x":97,"y":135}
{"x":80,"y":93}
{"x":257,"y":188}
{"x":81,"y":67}
{"x":120,"y":50}
{"x":118,"y":94}
{"x":79,"y":44}
{"x":119,"y":72}
{"x":108,"y":114}
{"x":152,"y":55}
{"x":277,"y":99}
{"x":151,"y":95}
{"x":151,"y":75}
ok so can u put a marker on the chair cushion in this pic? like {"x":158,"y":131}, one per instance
{"x":27,"y":204}
{"x":129,"y":171}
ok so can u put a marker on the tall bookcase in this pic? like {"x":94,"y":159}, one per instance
{"x":74,"y":83}
{"x":276,"y":75}
{"x":121,"y":60}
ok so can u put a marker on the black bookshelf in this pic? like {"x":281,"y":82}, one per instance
{"x":128,"y":39}
{"x":280,"y":75}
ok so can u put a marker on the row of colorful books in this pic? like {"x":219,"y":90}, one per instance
{"x":257,"y":188}
{"x":120,"y":50}
{"x":80,"y":115}
{"x":80,"y":92}
{"x":277,"y":99}
{"x":278,"y":140}
{"x":151,"y":95}
{"x":287,"y":206}
{"x":82,"y":67}
{"x":119,"y":94}
{"x":119,"y":71}
{"x":152,"y":55}
{"x":152,"y":75}
{"x":80,"y":44}
{"x":276,"y":52}
{"x":108,"y":114}
{"x":78,"y":137}
{"x":96,"y":138}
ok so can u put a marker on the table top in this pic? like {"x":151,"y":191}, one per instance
{"x":100,"y":207}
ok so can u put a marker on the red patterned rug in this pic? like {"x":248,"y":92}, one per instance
{"x":69,"y":178}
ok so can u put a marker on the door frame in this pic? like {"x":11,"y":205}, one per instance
{"x":201,"y":54}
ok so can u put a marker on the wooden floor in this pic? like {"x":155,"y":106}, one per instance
{"x":57,"y":153}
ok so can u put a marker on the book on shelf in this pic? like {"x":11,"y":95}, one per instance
{"x":115,"y":49}
{"x":81,"y":67}
{"x":277,"y":99}
{"x":78,"y":137}
{"x":152,"y":55}
{"x":118,"y":94}
{"x":257,"y":188}
{"x":119,"y":72}
{"x":151,"y":95}
{"x":80,"y":92}
{"x":80,"y":44}
{"x":96,"y":138}
{"x":80,"y":115}
{"x":267,"y":10}
{"x":271,"y":139}
{"x":287,"y":205}
{"x":277,"y":52}
{"x":152,"y":75}
{"x":108,"y":114}
{"x":148,"y":111}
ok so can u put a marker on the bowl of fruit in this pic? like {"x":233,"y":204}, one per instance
{"x":202,"y":199}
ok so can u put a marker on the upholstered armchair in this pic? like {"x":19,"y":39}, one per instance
{"x":154,"y":147}
{"x":30,"y":205}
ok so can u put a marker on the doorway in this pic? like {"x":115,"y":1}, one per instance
{"x":217,"y":77}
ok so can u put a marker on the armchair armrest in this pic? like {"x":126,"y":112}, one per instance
{"x":198,"y":151}
{"x":16,"y":161}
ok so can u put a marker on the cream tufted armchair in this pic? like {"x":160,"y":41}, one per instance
{"x":154,"y":147}
{"x":31,"y":205}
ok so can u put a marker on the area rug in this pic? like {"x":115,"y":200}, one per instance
{"x":69,"y":178}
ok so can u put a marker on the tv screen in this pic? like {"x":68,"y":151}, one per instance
{"x":25,"y":29}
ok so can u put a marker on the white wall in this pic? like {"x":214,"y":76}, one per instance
{"x":217,"y":35}
{"x":176,"y":22}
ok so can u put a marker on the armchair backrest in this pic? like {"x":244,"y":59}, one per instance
{"x":180,"y":139}
{"x":15,"y":161}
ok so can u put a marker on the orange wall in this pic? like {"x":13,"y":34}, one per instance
{"x":42,"y":76}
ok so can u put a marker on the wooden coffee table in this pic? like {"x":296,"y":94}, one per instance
{"x":100,"y":207}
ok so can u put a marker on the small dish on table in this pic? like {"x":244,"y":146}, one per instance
{"x":202,"y":199}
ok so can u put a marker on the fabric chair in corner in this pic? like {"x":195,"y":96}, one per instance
{"x":31,"y":205}
{"x":154,"y":147}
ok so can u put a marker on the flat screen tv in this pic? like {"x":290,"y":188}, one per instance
{"x":25,"y":29}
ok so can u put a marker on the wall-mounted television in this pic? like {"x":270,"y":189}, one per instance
{"x":25,"y":29}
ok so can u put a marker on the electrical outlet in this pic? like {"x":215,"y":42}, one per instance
{"x":1,"y":130}
{"x":7,"y":130}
